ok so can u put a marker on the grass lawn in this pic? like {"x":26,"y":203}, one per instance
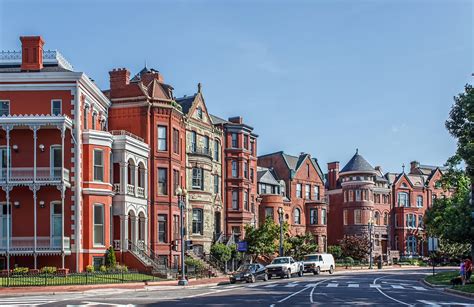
{"x":466,"y":288}
{"x":444,"y":279}
{"x":74,"y":279}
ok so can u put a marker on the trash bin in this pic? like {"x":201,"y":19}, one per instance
{"x":379,"y":264}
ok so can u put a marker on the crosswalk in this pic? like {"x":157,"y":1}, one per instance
{"x":25,"y":301}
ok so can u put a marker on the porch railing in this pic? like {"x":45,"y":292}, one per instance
{"x":27,"y":174}
{"x":28,"y":243}
{"x":140,"y":192}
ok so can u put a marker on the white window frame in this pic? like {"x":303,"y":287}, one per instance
{"x":345,"y":217}
{"x":51,"y":222}
{"x":236,"y":200}
{"x":419,"y":203}
{"x":235,"y":171}
{"x":94,"y":165}
{"x":299,"y":192}
{"x":357,"y":215}
{"x":307,"y":191}
{"x":94,"y":225}
{"x":60,"y":106}
{"x":158,"y":138}
{"x":51,"y":158}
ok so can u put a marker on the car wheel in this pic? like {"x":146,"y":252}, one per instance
{"x":289,"y":274}
{"x":269,"y":277}
{"x":331,"y":270}
{"x":265,"y":277}
{"x":232,"y":281}
{"x":300,"y":273}
{"x":252,"y":279}
{"x":317,"y":271}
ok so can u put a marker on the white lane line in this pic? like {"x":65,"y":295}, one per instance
{"x":374,"y":286}
{"x":270,"y":286}
{"x":386,"y":295}
{"x":291,"y":285}
{"x":420,"y":288}
{"x":312,"y":290}
{"x":332,"y":285}
{"x":291,"y":295}
{"x":253,"y":286}
{"x":353,"y":286}
{"x":397,"y":287}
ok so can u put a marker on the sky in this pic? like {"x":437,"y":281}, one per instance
{"x":322,"y":77}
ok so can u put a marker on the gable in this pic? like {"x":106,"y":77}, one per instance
{"x":198,"y":110}
{"x":308,"y":164}
{"x":403,"y":182}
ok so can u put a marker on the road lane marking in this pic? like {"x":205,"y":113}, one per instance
{"x":312,"y":290}
{"x":439,"y":304}
{"x":291,"y":295}
{"x":291,"y":285}
{"x":397,"y":287}
{"x":332,"y":285}
{"x":270,"y":286}
{"x":386,"y":295}
{"x":353,"y":285}
{"x":420,"y":288}
{"x":375,"y":286}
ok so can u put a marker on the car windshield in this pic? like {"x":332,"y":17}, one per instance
{"x":280,"y":260}
{"x":245,"y":267}
{"x":311,"y":258}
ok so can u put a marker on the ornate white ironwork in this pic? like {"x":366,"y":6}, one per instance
{"x":49,"y":57}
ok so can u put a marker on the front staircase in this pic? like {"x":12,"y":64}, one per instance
{"x":150,"y":260}
{"x":215,"y":267}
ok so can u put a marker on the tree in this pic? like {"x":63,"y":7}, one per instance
{"x":110,"y":260}
{"x":355,"y":247}
{"x":300,"y":245}
{"x":263,"y":240}
{"x":335,"y":250}
{"x":453,"y":250}
{"x":221,"y":252}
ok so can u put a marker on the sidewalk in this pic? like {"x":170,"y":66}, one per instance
{"x":51,"y":290}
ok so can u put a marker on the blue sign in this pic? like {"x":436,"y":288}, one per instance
{"x":242,"y":246}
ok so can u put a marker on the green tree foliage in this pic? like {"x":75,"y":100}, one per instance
{"x":263,"y":240}
{"x":110,"y":259}
{"x":300,"y":245}
{"x":355,"y":247}
{"x":461,"y":126}
{"x":335,"y":250}
{"x":453,"y":250}
{"x":221,"y":252}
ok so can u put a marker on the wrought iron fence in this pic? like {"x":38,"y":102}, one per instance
{"x":46,"y":279}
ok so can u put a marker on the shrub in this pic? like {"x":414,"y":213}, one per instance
{"x":103,"y":268}
{"x":221,"y":252}
{"x":198,"y":264}
{"x":20,"y":270}
{"x":48,"y":270}
{"x":335,"y":250}
{"x":110,"y":259}
{"x":90,"y":268}
{"x":349,"y":261}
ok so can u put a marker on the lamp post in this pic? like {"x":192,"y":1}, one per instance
{"x":181,"y":193}
{"x":370,"y":225}
{"x":280,"y":218}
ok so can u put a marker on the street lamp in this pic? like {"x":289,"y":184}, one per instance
{"x":181,"y":193}
{"x":280,"y":217}
{"x":370,"y":225}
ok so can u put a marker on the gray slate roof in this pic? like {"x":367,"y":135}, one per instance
{"x":358,"y":164}
{"x":217,"y":120}
{"x":186,"y":102}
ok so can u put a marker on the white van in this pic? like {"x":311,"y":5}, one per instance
{"x":317,"y":263}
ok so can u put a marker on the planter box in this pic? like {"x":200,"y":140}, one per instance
{"x":62,"y":272}
{"x":33,"y":271}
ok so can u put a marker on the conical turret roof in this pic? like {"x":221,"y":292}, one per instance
{"x":357,"y":164}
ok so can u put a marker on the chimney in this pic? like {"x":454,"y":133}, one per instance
{"x":149,"y":75}
{"x":413,"y":166}
{"x":31,"y":53}
{"x":333,"y":174}
{"x":236,"y":120}
{"x":379,"y":169}
{"x":119,"y":78}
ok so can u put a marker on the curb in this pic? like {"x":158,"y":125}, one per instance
{"x":457,"y":292}
{"x":432,"y":285}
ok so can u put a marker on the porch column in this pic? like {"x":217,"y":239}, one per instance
{"x":8,"y":188}
{"x":135,"y":183}
{"x":145,"y":230}
{"x":63,"y":194}
{"x":34,"y":189}
{"x":124,"y":232}
{"x":123,"y":177}
{"x":135,"y":225}
{"x":145,"y":182}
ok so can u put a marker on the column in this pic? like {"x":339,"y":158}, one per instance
{"x":135,"y":181}
{"x":124,"y":232}
{"x":63,"y":192}
{"x":35,"y":189}
{"x":8,"y":188}
{"x":145,"y":182}
{"x":123,"y":177}
{"x":135,"y":224}
{"x":145,"y":230}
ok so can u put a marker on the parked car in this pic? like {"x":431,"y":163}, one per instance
{"x":249,"y":273}
{"x":284,"y":267}
{"x":317,"y":263}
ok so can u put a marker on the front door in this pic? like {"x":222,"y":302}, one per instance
{"x":3,"y":227}
{"x":217,"y":224}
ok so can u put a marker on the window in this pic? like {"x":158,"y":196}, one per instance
{"x":216,"y":184}
{"x":433,"y":198}
{"x":206,"y":145}
{"x":345,"y":196}
{"x":97,"y":262}
{"x":94,"y":120}
{"x":246,"y":141}
{"x":357,"y":217}
{"x":345,"y":216}
{"x":419,"y":201}
{"x":111,"y":171}
{"x":4,"y":108}
{"x":252,"y":147}
{"x":235,"y":169}
{"x":307,"y":170}
{"x":235,"y":200}
{"x":316,"y":192}
{"x":216,"y":150}
{"x":176,"y":230}
{"x":351,"y":195}
{"x":56,"y":223}
{"x":365,"y":194}
{"x":85,"y":119}
{"x":199,"y":112}
{"x":410,"y":220}
{"x":99,"y":225}
{"x":56,"y":107}
{"x":403,"y":199}
{"x":307,"y":191}
{"x":251,"y":175}
{"x":377,"y":218}
{"x":298,"y":190}
{"x":175,"y":141}
{"x":420,"y":221}
{"x":246,"y":200}
{"x":385,"y":218}
{"x":297,"y":216}
{"x":162,"y":227}
{"x":411,"y":245}
{"x":358,"y":197}
{"x":323,"y":216}
{"x":313,"y":216}
{"x":175,"y":181}
{"x":197,"y":221}
{"x":197,"y":182}
{"x":162,"y":181}
{"x":234,"y":140}
{"x":246,"y":170}
{"x":193,"y":141}
{"x":162,"y":138}
{"x":98,"y":165}
{"x":269,"y":212}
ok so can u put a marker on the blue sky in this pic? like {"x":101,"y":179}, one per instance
{"x":324,"y":77}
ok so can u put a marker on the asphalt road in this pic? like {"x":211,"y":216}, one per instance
{"x":395,"y":288}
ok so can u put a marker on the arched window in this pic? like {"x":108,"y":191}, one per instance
{"x":297,"y":216}
{"x":385,"y":218}
{"x":377,"y":218}
{"x":419,"y":201}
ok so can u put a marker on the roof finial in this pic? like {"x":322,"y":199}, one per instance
{"x":357,"y":151}
{"x":145,"y":64}
{"x":403,"y":167}
{"x":199,"y":87}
